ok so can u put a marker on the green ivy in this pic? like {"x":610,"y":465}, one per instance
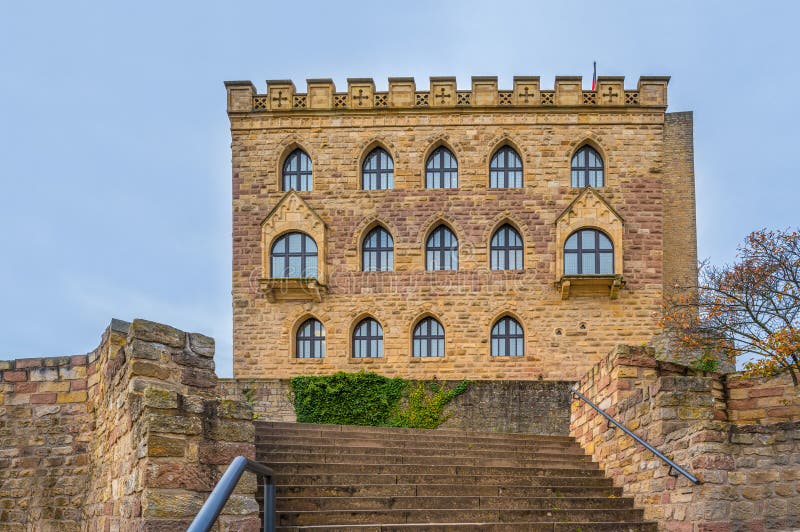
{"x":371,"y":399}
{"x":346,"y":398}
{"x":424,"y":409}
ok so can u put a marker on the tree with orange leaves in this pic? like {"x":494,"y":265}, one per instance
{"x":750,"y":307}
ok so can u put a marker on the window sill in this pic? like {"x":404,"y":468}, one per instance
{"x":508,"y":359}
{"x":305,"y":289}
{"x":590,"y":285}
{"x":423,"y":360}
{"x":296,"y":360}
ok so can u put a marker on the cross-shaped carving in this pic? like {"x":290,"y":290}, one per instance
{"x":360,"y":97}
{"x":611,"y":94}
{"x":442,"y":96}
{"x":527,"y":95}
{"x":280,"y":98}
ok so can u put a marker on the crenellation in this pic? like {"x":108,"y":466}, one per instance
{"x":443,"y":92}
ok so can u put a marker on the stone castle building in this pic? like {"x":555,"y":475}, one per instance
{"x":483,"y":233}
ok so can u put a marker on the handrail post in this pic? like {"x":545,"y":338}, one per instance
{"x":211,"y":509}
{"x":672,"y":465}
{"x":269,"y":504}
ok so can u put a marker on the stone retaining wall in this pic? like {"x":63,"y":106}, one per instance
{"x":535,"y":407}
{"x":749,"y":472}
{"x":130,"y":437}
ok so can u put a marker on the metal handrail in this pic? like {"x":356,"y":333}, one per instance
{"x":211,"y":509}
{"x":672,"y":465}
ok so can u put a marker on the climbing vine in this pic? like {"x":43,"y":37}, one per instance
{"x":371,"y":399}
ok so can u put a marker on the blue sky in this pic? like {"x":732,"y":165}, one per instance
{"x":115,"y":151}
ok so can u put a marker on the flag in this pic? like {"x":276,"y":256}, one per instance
{"x":594,"y":76}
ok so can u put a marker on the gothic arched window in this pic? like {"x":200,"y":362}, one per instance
{"x":505,"y":169}
{"x":441,"y":250}
{"x":377,"y":251}
{"x":588,"y":252}
{"x":368,"y":339}
{"x":297,"y":171}
{"x":428,"y":339}
{"x":587,"y":168}
{"x":506,"y":249}
{"x":508,"y":338}
{"x":377,"y":172}
{"x":310,"y":339}
{"x":441,"y":169}
{"x":293,"y":256}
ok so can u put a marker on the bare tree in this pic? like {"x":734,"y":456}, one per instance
{"x":749,"y":307}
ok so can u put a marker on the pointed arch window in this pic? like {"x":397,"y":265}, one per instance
{"x":505,"y":169}
{"x":428,"y":339}
{"x":508,"y":338}
{"x":294,"y":256}
{"x":587,"y":168}
{"x":310,"y":339}
{"x":506,"y":249}
{"x":377,"y":172}
{"x":377,"y":251}
{"x":588,"y":252}
{"x":441,"y":250}
{"x":441,"y":169}
{"x":368,"y":339}
{"x":297,"y":171}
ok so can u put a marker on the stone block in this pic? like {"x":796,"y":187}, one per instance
{"x":22,"y":363}
{"x":229,"y":430}
{"x":71,"y":372}
{"x":171,"y":503}
{"x":186,"y":476}
{"x":149,"y":369}
{"x":160,"y":445}
{"x":148,"y":350}
{"x":43,"y":374}
{"x":198,"y":378}
{"x":149,"y":331}
{"x":235,"y":409}
{"x":222,"y":453}
{"x":174,"y":423}
{"x":43,"y":398}
{"x":201,"y":344}
{"x":57,"y":386}
{"x":160,"y":398}
{"x":72,"y":397}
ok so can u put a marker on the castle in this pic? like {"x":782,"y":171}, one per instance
{"x":524,"y":239}
{"x":483,"y":233}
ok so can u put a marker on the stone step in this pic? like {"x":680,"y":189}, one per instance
{"x":433,"y":490}
{"x":428,"y":516}
{"x":483,"y":527}
{"x":324,"y":450}
{"x":288,"y":504}
{"x":427,"y":436}
{"x":394,"y":431}
{"x":286,"y":468}
{"x":351,"y":479}
{"x":483,"y":461}
{"x":393,"y":443}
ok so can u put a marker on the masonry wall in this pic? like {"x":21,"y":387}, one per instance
{"x":749,"y":470}
{"x":564,"y":337}
{"x":680,"y":219}
{"x":45,"y":442}
{"x":129,"y":437}
{"x":534,"y":407}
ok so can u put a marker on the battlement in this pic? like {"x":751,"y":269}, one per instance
{"x":443,"y":92}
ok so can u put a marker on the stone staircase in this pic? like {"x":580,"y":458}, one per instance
{"x":332,"y":477}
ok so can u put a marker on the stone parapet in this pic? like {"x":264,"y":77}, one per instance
{"x":282,"y":96}
{"x":129,"y":437}
{"x":748,"y":473}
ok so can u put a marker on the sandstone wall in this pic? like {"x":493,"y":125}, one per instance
{"x":564,"y":337}
{"x":535,"y":407}
{"x":45,"y":443}
{"x":749,"y":472}
{"x":131,"y":437}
